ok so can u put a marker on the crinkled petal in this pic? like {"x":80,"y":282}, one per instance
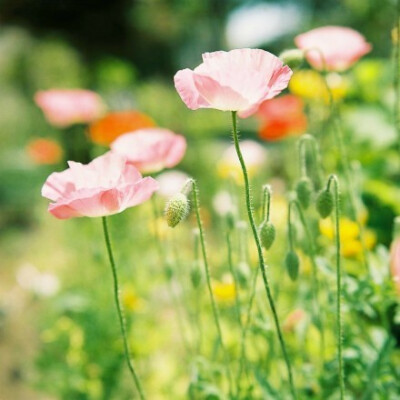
{"x":184,"y":84}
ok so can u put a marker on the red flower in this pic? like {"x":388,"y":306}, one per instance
{"x":281,"y":117}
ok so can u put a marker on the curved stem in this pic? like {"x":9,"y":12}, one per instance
{"x":344,"y":158}
{"x":266,"y":203}
{"x":234,"y":276}
{"x":120,"y":311}
{"x":308,"y":139}
{"x":249,"y":206}
{"x":193,"y":184}
{"x":315,"y":281}
{"x":339,"y":328}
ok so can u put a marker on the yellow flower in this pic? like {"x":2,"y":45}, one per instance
{"x":351,"y":245}
{"x":224,"y":291}
{"x":310,"y":84}
{"x":130,"y":300}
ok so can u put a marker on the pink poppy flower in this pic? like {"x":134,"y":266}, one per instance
{"x":105,"y":186}
{"x":238,"y":80}
{"x":341,"y":47}
{"x":151,"y":149}
{"x":63,"y":108}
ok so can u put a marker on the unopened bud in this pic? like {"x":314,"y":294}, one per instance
{"x":177,"y":209}
{"x":304,"y":190}
{"x":292,"y":263}
{"x":267,"y":234}
{"x":324,"y":203}
{"x":293,"y":58}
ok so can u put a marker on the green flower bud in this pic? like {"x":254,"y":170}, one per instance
{"x":293,"y":58}
{"x":304,"y":190}
{"x":177,"y":209}
{"x":267,"y":234}
{"x":324,"y":203}
{"x":196,"y":275}
{"x":292,"y":263}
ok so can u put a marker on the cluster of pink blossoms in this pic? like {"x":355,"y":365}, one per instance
{"x":239,"y":80}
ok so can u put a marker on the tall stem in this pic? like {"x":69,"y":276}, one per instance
{"x":249,"y":207}
{"x":339,"y":328}
{"x":120,"y":311}
{"x":315,"y":280}
{"x":196,"y":204}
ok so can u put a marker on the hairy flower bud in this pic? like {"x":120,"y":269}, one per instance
{"x":177,"y":209}
{"x":292,"y":263}
{"x":293,"y":58}
{"x":324,"y":203}
{"x":304,"y":190}
{"x":267,"y":234}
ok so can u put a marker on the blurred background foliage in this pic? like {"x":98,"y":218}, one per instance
{"x":128,"y":52}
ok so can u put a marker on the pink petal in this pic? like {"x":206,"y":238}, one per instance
{"x":176,"y":151}
{"x":220,"y":97}
{"x":341,"y":47}
{"x":184,"y":84}
{"x":151,"y":149}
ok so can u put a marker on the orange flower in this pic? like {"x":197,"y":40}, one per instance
{"x":107,"y":129}
{"x":281,"y":117}
{"x":44,"y":151}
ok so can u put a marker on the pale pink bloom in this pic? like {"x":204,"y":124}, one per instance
{"x":105,"y":186}
{"x":395,"y":263}
{"x":238,"y":80}
{"x":171,"y":182}
{"x":151,"y":149}
{"x":65,"y":107}
{"x":335,"y":46}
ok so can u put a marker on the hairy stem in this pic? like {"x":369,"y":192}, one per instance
{"x":249,"y":207}
{"x":120,"y":311}
{"x":339,"y":327}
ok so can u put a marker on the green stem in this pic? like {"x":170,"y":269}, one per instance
{"x":169,"y":273}
{"x":120,"y":311}
{"x":196,"y":203}
{"x":249,"y":207}
{"x":315,"y":280}
{"x":339,"y":328}
{"x":344,"y":158}
{"x":304,"y":140}
{"x":235,"y":278}
{"x":266,"y":203}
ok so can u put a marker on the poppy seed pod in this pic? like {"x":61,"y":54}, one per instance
{"x":292,"y":263}
{"x":267,"y":234}
{"x":177,"y":209}
{"x":324,"y":203}
{"x":304,"y":190}
{"x":293,"y":58}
